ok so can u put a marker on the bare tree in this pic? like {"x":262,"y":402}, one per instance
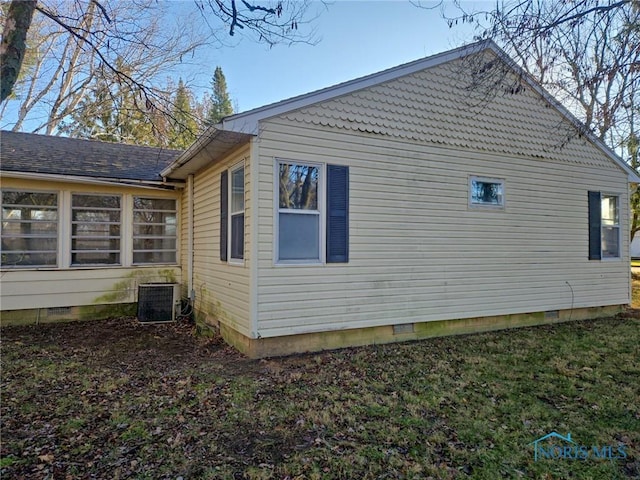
{"x":77,"y":42}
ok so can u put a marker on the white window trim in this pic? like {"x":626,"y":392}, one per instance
{"x":322,"y":171}
{"x":230,"y":213}
{"x":618,"y":225}
{"x":488,"y":206}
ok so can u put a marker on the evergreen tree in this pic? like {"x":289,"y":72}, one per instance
{"x":220,"y":106}
{"x":184,"y":127}
{"x":111,"y":113}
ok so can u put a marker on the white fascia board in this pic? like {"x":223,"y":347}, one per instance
{"x":247,"y":122}
{"x":51,"y":177}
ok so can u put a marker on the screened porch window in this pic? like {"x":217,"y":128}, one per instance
{"x":154,"y":230}
{"x":29,"y":229}
{"x":95,"y":229}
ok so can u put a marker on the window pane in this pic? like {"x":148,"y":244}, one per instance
{"x":140,"y":203}
{"x":154,"y":230}
{"x":154,"y":257}
{"x":237,"y":190}
{"x":609,"y":210}
{"x":95,"y":257}
{"x":29,"y":229}
{"x":92,"y":202}
{"x":237,"y":236}
{"x":486,"y":192}
{"x":299,"y":236}
{"x":298,"y":187}
{"x":610,"y":242}
{"x":95,"y":229}
{"x":163,"y":243}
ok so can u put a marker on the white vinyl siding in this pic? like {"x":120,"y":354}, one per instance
{"x":221,"y":288}
{"x":419,"y":253}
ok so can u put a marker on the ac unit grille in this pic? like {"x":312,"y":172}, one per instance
{"x":156,"y":302}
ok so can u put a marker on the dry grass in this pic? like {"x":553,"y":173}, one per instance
{"x":116,"y":400}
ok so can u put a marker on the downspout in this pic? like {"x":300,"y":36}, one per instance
{"x":192,"y":292}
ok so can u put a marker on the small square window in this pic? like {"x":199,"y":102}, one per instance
{"x":486,"y":192}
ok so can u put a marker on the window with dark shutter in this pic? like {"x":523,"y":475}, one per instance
{"x":224,"y":213}
{"x":337,"y":214}
{"x":595,"y":224}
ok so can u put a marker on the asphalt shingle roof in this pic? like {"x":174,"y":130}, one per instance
{"x":32,"y":153}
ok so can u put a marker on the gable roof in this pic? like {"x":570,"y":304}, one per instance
{"x":247,"y":123}
{"x":45,"y":154}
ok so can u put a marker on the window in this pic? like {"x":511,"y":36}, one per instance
{"x":154,"y":230}
{"x":298,"y":212}
{"x":301,"y":210}
{"x":610,"y":229}
{"x":29,"y":229}
{"x":237,"y":214}
{"x":488,"y":192}
{"x":95,"y":229}
{"x":604,"y":226}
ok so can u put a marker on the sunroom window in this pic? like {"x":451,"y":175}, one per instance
{"x":154,"y":230}
{"x":95,"y":229}
{"x":298,"y":212}
{"x":29,"y":229}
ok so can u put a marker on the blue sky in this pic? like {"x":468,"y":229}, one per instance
{"x":356,"y":38}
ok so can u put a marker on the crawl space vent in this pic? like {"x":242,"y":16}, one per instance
{"x":156,"y":302}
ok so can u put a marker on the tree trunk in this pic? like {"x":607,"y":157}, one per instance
{"x":13,"y":46}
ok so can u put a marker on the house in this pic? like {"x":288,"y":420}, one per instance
{"x":447,"y":195}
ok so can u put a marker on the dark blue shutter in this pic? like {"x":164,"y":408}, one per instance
{"x":595,"y":223}
{"x":224,"y":214}
{"x":337,"y":214}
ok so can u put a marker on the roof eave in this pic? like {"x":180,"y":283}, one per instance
{"x":214,"y":143}
{"x":121,"y":182}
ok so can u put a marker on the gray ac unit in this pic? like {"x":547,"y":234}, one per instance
{"x":157,"y":302}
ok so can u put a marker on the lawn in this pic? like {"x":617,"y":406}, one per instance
{"x":114,"y":399}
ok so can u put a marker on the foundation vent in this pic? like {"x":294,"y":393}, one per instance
{"x":403,"y":328}
{"x":157,"y":301}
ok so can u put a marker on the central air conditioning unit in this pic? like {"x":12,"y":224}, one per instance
{"x":157,"y":302}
